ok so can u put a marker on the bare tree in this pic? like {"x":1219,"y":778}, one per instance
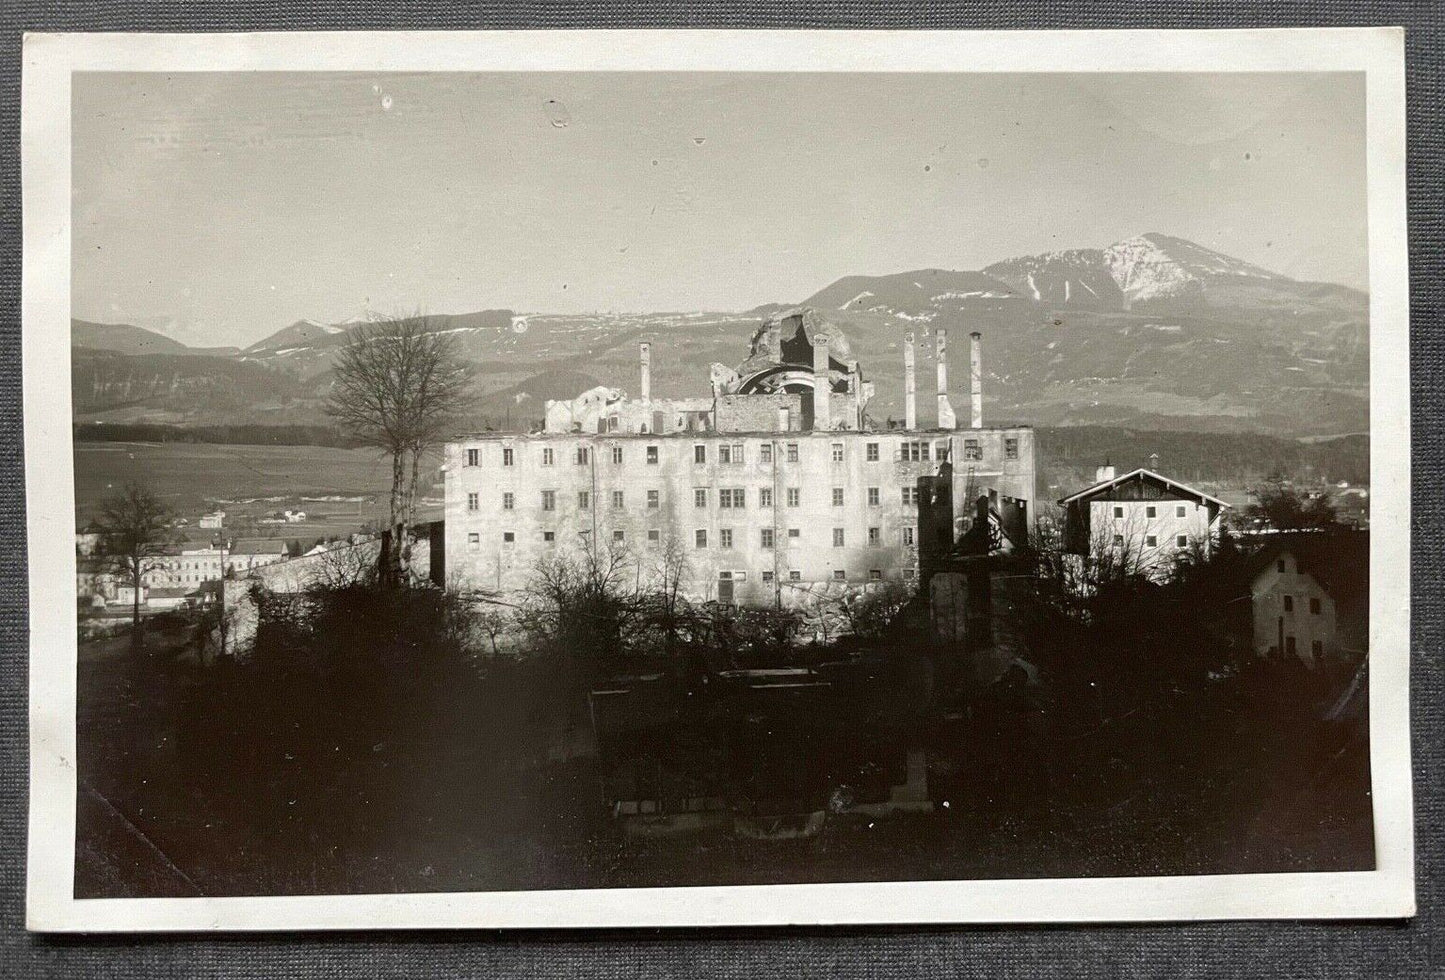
{"x":399,"y":385}
{"x":135,"y":527}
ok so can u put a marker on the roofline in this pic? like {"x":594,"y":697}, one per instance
{"x":750,"y":433}
{"x":1142,"y":471}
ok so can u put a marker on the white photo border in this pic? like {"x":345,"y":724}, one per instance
{"x":47,"y":63}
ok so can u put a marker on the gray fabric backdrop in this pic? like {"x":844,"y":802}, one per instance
{"x":1292,"y":950}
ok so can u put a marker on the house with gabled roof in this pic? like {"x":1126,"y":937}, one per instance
{"x":1310,"y":596}
{"x":1143,"y":520}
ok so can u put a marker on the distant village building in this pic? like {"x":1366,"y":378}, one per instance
{"x":186,"y":569}
{"x":1142,"y":519}
{"x":213,"y":520}
{"x":773,"y":484}
{"x":1309,"y":594}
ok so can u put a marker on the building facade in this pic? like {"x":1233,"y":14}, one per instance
{"x":1309,"y":594}
{"x":775,"y":485}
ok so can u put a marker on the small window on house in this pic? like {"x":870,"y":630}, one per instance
{"x":549,"y":499}
{"x":1151,"y":541}
{"x":473,"y":457}
{"x":699,"y":496}
{"x":1180,"y":510}
{"x":837,"y":537}
{"x":699,"y":538}
{"x":584,"y":455}
{"x":1314,"y":606}
{"x":474,"y":541}
{"x":699,"y":454}
{"x":875,"y":574}
{"x":1151,"y":512}
{"x":509,"y":537}
{"x":839,"y":575}
{"x":767,"y":537}
{"x":1010,"y":449}
{"x":473,"y":501}
{"x":794,"y":575}
{"x":972,"y":450}
{"x":794,"y":494}
{"x":652,"y":455}
{"x":1290,"y":647}
{"x":1118,"y":513}
{"x":617,"y":454}
{"x":792,"y":452}
{"x":654,"y":536}
{"x":549,"y":536}
{"x":837,"y":452}
{"x":1118,"y":541}
{"x":619,"y":536}
{"x":1181,"y":541}
{"x":654,"y":499}
{"x":910,"y":496}
{"x":549,"y":456}
{"x":584,"y":500}
{"x":1317,"y":649}
{"x":837,"y":496}
{"x":1289,"y":603}
{"x":909,"y":574}
{"x":794,"y":532}
{"x":767,"y":575}
{"x":908,"y":536}
{"x":724,"y":453}
{"x":507,"y":456}
{"x":617,"y":500}
{"x":765,"y":496}
{"x":1279,"y":565}
{"x":508,"y":501}
{"x":875,"y":537}
{"x":725,"y":538}
{"x":871,"y":452}
{"x":873,"y":497}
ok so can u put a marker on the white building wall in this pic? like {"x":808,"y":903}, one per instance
{"x":1155,"y":532}
{"x":1310,"y":618}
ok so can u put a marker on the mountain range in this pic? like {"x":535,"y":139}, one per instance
{"x":1152,"y":331}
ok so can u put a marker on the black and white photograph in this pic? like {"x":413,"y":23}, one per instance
{"x":632,"y":491}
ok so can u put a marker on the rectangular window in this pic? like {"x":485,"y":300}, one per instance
{"x":875,"y":574}
{"x":1314,"y":606}
{"x":839,"y":575}
{"x":909,"y":574}
{"x":725,"y":537}
{"x":617,"y":500}
{"x":474,"y":457}
{"x":972,"y":450}
{"x":914,"y":452}
{"x":908,"y":536}
{"x":506,"y":456}
{"x":654,"y":499}
{"x":871,"y":452}
{"x":508,"y":501}
{"x":792,"y":452}
{"x":765,"y":496}
{"x":1289,"y":646}
{"x":1118,"y":513}
{"x":509,"y":537}
{"x":837,"y":537}
{"x":837,"y":496}
{"x":767,"y":537}
{"x":837,"y":452}
{"x":549,"y":536}
{"x":549,"y":456}
{"x":1289,"y":603}
{"x":724,"y":453}
{"x":910,"y":496}
{"x":794,"y":575}
{"x":1151,"y":541}
{"x":699,"y":455}
{"x":1010,"y":449}
{"x":584,"y":455}
{"x":584,"y":500}
{"x":619,"y":536}
{"x":654,"y":536}
{"x":699,"y":537}
{"x":1279,"y":565}
{"x":873,"y":497}
{"x":1317,"y":649}
{"x":699,"y":496}
{"x":474,"y":541}
{"x":473,"y":501}
{"x":617,"y":454}
{"x":651,"y":455}
{"x":765,"y":453}
{"x":1151,"y":512}
{"x":1118,"y":541}
{"x":794,"y":532}
{"x":875,"y":537}
{"x":1179,"y":510}
{"x":1182,"y":540}
{"x":794,"y":494}
{"x":767,"y":575}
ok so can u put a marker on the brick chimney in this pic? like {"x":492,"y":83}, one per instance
{"x":946,"y":418}
{"x":645,"y":352}
{"x":822,"y":390}
{"x":910,"y":403}
{"x":975,"y":376}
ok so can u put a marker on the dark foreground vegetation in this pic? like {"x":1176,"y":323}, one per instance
{"x":383,"y":740}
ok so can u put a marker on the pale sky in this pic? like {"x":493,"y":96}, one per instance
{"x":230,"y":205}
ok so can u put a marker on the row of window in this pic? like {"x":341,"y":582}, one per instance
{"x":729,"y":498}
{"x":1152,"y":541}
{"x":1317,"y":647}
{"x":1315,"y":607}
{"x":731,"y":453}
{"x":767,"y":537}
{"x":1151,"y":511}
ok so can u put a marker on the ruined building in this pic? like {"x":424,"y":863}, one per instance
{"x":772,"y":487}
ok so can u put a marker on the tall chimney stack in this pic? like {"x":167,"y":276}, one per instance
{"x":946,"y":418}
{"x":645,"y":351}
{"x":975,"y":376}
{"x":910,"y":405}
{"x":822,"y":390}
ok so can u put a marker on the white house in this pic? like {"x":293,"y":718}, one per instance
{"x":1142,"y":519}
{"x":1309,"y":595}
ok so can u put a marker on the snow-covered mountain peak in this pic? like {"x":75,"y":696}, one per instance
{"x":1155,"y":266}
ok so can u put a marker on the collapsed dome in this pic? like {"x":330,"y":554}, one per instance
{"x":781,"y":354}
